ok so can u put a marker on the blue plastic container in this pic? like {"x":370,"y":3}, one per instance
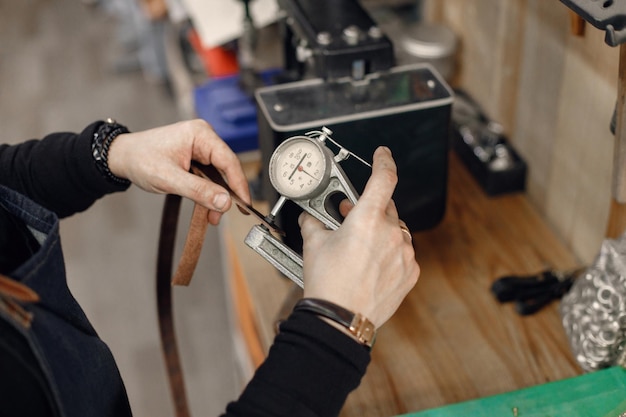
{"x":230,"y":111}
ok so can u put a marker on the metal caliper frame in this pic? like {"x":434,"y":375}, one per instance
{"x":282,"y":257}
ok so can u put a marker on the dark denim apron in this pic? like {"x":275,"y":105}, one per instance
{"x":79,"y":367}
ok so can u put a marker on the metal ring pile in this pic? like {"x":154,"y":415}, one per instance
{"x":594,"y":310}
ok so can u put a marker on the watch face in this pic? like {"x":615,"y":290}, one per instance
{"x":299,"y":168}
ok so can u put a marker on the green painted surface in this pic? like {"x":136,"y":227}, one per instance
{"x":597,"y":394}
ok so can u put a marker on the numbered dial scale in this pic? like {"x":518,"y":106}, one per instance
{"x":300,"y":168}
{"x":304,"y":170}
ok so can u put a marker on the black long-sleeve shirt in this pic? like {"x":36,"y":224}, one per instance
{"x":310,"y":369}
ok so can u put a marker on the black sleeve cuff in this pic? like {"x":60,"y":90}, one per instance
{"x":83,"y":167}
{"x":57,"y":171}
{"x":310,"y":370}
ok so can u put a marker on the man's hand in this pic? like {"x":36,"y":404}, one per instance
{"x":368,"y":265}
{"x":158,"y":161}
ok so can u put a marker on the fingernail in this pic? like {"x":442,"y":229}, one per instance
{"x":220,"y":200}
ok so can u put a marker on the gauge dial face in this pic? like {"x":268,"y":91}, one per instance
{"x":298,"y":168}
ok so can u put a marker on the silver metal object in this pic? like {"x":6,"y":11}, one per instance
{"x":276,"y":253}
{"x":304,"y":170}
{"x":324,"y":38}
{"x":352,"y":34}
{"x":427,"y":42}
{"x":594,"y":310}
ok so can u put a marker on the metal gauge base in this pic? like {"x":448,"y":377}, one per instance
{"x":276,"y":253}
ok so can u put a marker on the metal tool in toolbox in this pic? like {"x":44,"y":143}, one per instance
{"x":304,"y":170}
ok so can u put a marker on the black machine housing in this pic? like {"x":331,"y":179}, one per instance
{"x":332,"y":37}
{"x":367,"y":102}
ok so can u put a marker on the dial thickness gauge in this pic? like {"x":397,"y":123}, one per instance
{"x":304,"y":170}
{"x":300,"y":168}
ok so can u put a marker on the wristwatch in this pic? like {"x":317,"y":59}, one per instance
{"x":357,"y":325}
{"x":100,"y":144}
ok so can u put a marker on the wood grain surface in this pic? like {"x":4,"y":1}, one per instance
{"x":554,"y":93}
{"x":450,"y":340}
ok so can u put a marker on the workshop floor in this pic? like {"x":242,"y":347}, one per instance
{"x":56,"y":61}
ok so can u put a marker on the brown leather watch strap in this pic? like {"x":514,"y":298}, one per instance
{"x":359,"y":326}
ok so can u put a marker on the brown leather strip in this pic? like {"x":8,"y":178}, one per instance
{"x":12,"y":292}
{"x":193,"y":246}
{"x":184,"y":272}
{"x":167,"y":239}
{"x":16,"y":311}
{"x":199,"y":224}
{"x":17,"y":290}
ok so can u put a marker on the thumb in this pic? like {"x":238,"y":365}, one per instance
{"x":382,"y":183}
{"x":201,"y":191}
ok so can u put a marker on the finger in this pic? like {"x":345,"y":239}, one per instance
{"x":345,"y":207}
{"x":212,"y":174}
{"x":309,"y":225}
{"x":200,"y":190}
{"x":209,"y":148}
{"x":236,"y":179}
{"x":214,"y":217}
{"x":382,"y":182}
{"x":392,"y":210}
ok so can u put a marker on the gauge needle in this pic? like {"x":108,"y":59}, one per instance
{"x":301,"y":169}
{"x":297,"y":166}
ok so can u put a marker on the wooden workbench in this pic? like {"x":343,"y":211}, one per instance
{"x":450,"y":341}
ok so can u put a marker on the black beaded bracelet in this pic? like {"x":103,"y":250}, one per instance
{"x":100,"y":144}
{"x":358,"y":326}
